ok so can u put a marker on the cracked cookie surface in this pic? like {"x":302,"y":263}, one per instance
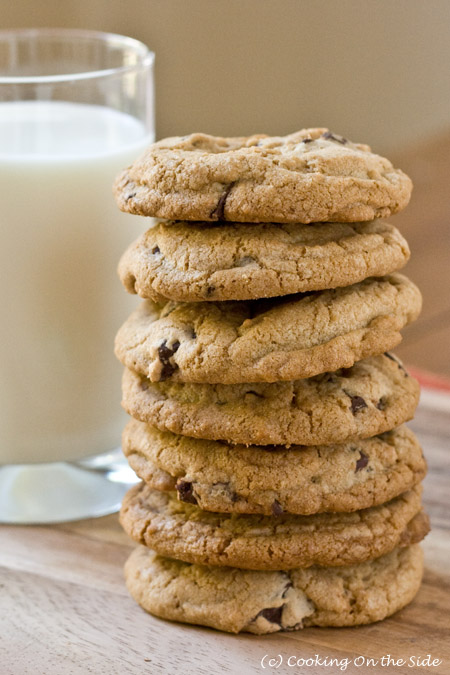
{"x":268,"y":340}
{"x":206,"y":262}
{"x":312,"y":175}
{"x":183,"y":531}
{"x":373,"y":396}
{"x":235,"y":600}
{"x":272,"y":480}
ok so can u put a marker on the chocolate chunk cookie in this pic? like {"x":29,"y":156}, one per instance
{"x":310,"y":176}
{"x":272,"y":480}
{"x":183,"y":531}
{"x":235,"y":600}
{"x":290,"y":338}
{"x":206,"y":262}
{"x":373,"y":396}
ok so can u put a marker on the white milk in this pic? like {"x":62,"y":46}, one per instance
{"x":61,"y":301}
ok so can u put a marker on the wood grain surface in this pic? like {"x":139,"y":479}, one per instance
{"x":65,"y":609}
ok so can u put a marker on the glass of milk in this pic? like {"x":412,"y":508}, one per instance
{"x":75,"y":108}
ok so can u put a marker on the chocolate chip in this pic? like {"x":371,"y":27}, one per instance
{"x":277,"y":509}
{"x":156,"y":249}
{"x":218,"y":212}
{"x":272,"y":614}
{"x":130,"y":196}
{"x":165,"y":353}
{"x":381,"y":403}
{"x":193,"y":334}
{"x":357,"y":402}
{"x":307,"y":140}
{"x":185,"y":491}
{"x":362,"y":462}
{"x":332,"y":137}
{"x":210,"y":290}
{"x":255,"y":393}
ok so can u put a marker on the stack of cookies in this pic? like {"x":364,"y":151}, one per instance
{"x":280,"y":487}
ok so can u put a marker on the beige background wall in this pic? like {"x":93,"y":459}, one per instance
{"x":373,"y":70}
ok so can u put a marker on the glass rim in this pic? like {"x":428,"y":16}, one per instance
{"x":146,"y":56}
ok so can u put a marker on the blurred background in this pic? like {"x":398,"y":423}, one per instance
{"x":376,"y":71}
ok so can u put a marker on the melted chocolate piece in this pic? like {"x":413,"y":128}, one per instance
{"x":362,"y":462}
{"x":277,"y":509}
{"x":218,"y":212}
{"x":165,"y":353}
{"x":156,"y":249}
{"x":185,"y":491}
{"x":357,"y":403}
{"x":272,"y":614}
{"x":332,"y":137}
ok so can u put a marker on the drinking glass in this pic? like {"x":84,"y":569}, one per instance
{"x":75,"y":108}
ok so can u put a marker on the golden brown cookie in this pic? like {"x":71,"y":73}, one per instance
{"x":310,"y":176}
{"x":269,"y":480}
{"x":185,"y":532}
{"x":286,"y":338}
{"x":193,"y":262}
{"x":373,"y":396}
{"x":236,"y":600}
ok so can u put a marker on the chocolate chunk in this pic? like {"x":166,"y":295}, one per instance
{"x":272,"y":614}
{"x":218,"y":212}
{"x":185,"y":491}
{"x":210,"y":290}
{"x":362,"y":462}
{"x":193,"y":334}
{"x":156,"y":249}
{"x":165,"y":353}
{"x":357,"y":402}
{"x":381,"y":403}
{"x":332,"y":137}
{"x":277,"y":509}
{"x":307,"y":140}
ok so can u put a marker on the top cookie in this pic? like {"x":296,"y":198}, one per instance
{"x":310,"y":176}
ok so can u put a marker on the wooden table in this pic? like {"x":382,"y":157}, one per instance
{"x":65,"y":609}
